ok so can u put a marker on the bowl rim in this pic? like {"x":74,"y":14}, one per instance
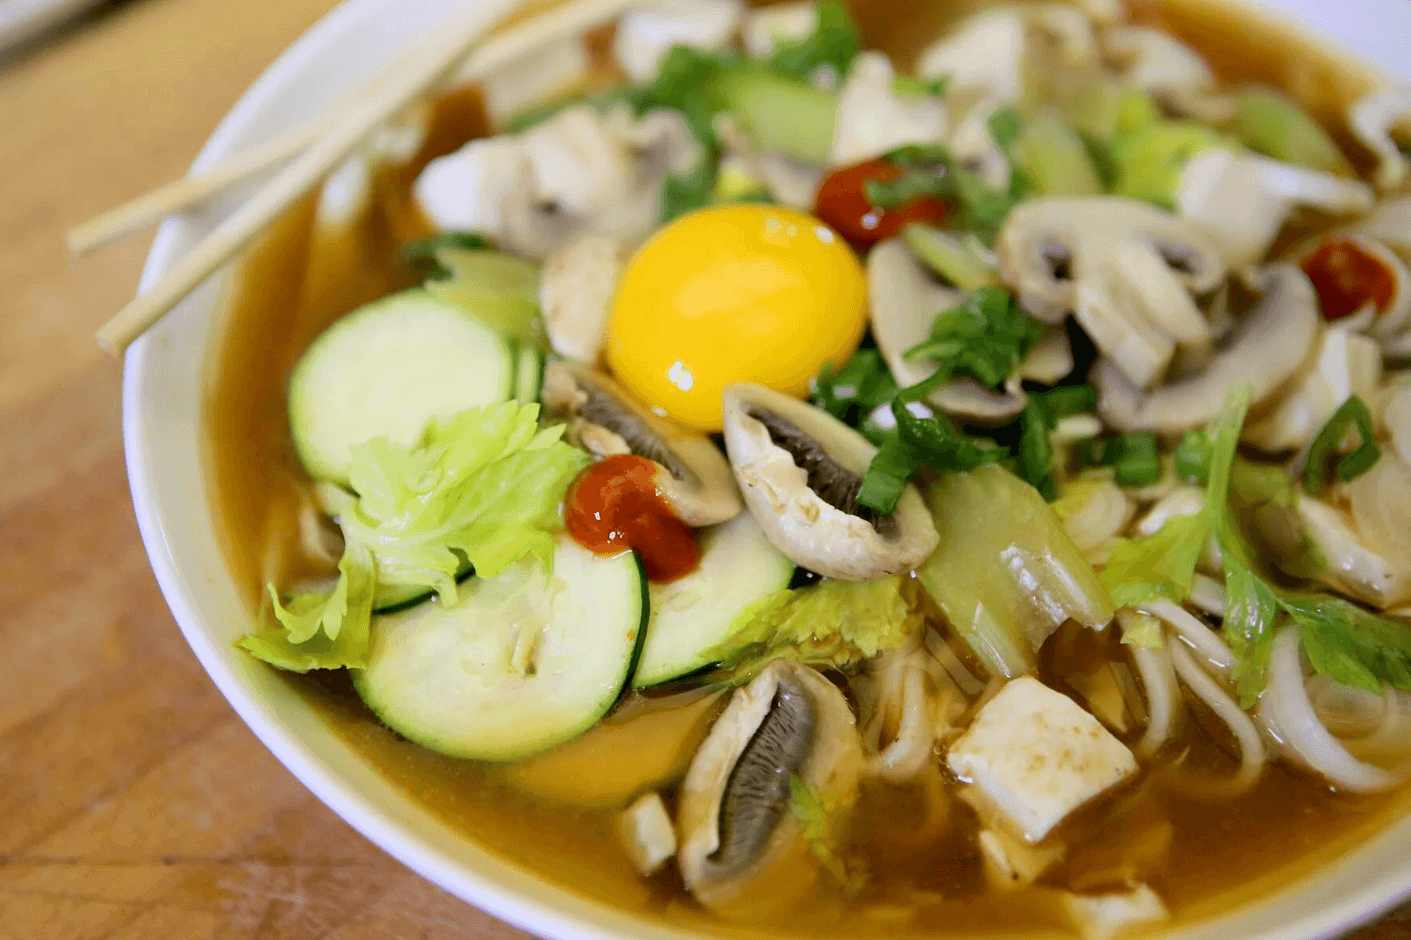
{"x":485,"y":892}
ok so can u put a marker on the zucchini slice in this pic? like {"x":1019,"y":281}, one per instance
{"x":693,"y":616}
{"x":521,"y":664}
{"x":388,"y":369}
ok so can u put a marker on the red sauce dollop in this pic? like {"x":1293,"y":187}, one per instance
{"x":1346,"y":277}
{"x":842,"y":203}
{"x":615,"y":505}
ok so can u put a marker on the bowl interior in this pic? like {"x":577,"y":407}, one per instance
{"x":164,"y":388}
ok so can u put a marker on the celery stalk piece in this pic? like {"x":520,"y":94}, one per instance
{"x":1150,"y":161}
{"x":960,"y":259}
{"x":1006,"y":574}
{"x":1269,"y":122}
{"x":783,"y":115}
{"x":1055,"y":159}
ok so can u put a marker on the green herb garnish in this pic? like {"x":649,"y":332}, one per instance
{"x":986,"y":338}
{"x":1352,"y":413}
{"x":833,"y":45}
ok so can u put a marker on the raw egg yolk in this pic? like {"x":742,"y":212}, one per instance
{"x":747,"y":293}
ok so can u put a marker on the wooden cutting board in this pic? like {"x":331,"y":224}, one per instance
{"x":134,"y":805}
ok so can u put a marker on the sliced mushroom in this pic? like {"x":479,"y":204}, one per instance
{"x":974,"y":146}
{"x":1377,"y":120}
{"x":874,"y":119}
{"x":575,"y":295}
{"x":742,"y":852}
{"x":984,"y":54}
{"x":1390,"y":224}
{"x":1240,"y":201}
{"x":1393,"y":414}
{"x":1345,"y":364}
{"x":603,"y":419}
{"x":800,"y":470}
{"x":1169,"y":70}
{"x":646,"y":35}
{"x":905,"y":300}
{"x":579,"y":172}
{"x":1378,"y":575}
{"x":1267,"y":348}
{"x":1125,"y":269}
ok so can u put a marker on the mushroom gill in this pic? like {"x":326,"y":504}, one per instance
{"x":743,"y":853}
{"x":800,"y":471}
{"x":694,"y":479}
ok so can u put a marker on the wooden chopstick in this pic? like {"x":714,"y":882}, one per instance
{"x":192,"y":190}
{"x":384,"y":97}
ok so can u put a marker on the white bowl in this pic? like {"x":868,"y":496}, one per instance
{"x":164,"y":384}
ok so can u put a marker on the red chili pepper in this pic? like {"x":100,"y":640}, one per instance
{"x":843,"y":204}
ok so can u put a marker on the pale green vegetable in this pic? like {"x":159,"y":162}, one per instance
{"x":500,"y":290}
{"x":1006,"y":574}
{"x":960,"y":259}
{"x":1160,"y":566}
{"x":783,"y":115}
{"x":834,"y":623}
{"x":421,"y":513}
{"x":1055,"y":159}
{"x":1269,"y":122}
{"x":1111,"y":110}
{"x":1149,"y":162}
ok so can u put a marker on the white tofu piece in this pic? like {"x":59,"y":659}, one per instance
{"x":536,"y":78}
{"x":1036,"y":756}
{"x":873,"y":119}
{"x":1104,"y":916}
{"x":645,"y":36}
{"x":647,"y":833}
{"x":769,"y":27}
{"x":466,"y":190}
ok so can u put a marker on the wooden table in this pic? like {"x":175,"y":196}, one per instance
{"x":134,"y":805}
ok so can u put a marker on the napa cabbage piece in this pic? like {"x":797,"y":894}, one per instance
{"x":483,"y":487}
{"x":499,"y":290}
{"x":833,"y":623}
{"x":1006,"y":574}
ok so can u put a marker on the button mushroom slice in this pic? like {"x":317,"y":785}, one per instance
{"x":1376,"y":120}
{"x":694,"y":479}
{"x":575,"y":295}
{"x":974,"y":146}
{"x":1125,"y":269}
{"x":1169,"y":70}
{"x":1392,"y":410}
{"x":905,"y":300}
{"x":1240,"y":201}
{"x":1344,"y":364}
{"x":874,"y":119}
{"x":984,"y":53}
{"x":579,"y":172}
{"x":743,"y":853}
{"x":800,"y":470}
{"x":1269,"y":345}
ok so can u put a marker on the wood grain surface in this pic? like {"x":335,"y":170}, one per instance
{"x":134,"y":805}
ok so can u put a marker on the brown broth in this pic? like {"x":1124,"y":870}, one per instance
{"x":301,"y":277}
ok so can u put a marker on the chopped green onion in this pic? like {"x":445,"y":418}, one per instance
{"x":1138,"y":463}
{"x":420,"y":255}
{"x":921,"y":87}
{"x":1351,"y":413}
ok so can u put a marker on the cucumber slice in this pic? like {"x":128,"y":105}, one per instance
{"x":523,"y":663}
{"x":692,"y":616}
{"x":386,"y":370}
{"x":528,"y":375}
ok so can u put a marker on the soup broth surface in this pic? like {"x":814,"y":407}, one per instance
{"x":302,"y":275}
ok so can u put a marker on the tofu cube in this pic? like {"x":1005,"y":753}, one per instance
{"x":1036,"y":756}
{"x":647,"y":833}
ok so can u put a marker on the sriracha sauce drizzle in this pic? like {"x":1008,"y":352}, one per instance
{"x":615,"y":505}
{"x":1347,"y":278}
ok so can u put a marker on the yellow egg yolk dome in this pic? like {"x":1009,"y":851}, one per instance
{"x":748,"y":293}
